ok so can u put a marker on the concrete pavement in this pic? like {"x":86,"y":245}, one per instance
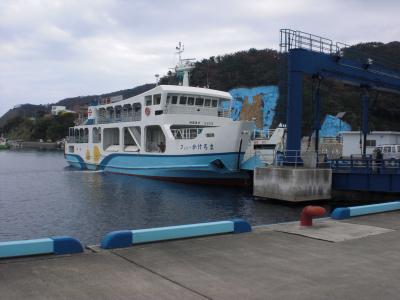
{"x":264,"y":264}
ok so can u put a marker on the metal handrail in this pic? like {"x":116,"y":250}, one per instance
{"x":225,"y":113}
{"x":366,"y":165}
{"x":294,"y":158}
{"x":294,"y":39}
{"x":77,"y":139}
{"x":120,"y":118}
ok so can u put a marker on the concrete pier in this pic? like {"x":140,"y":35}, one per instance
{"x":292,"y":184}
{"x":263,"y":264}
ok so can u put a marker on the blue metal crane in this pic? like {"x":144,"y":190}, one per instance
{"x":320,"y":58}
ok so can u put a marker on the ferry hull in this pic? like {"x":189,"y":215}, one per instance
{"x":206,"y":169}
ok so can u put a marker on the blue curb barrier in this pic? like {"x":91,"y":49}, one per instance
{"x":66,"y":245}
{"x":117,"y":239}
{"x":240,"y":226}
{"x":353,"y":211}
{"x":55,"y":245}
{"x":126,"y":238}
{"x":340,"y":213}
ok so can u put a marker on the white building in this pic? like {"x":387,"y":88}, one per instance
{"x":56,"y":109}
{"x":353,"y":141}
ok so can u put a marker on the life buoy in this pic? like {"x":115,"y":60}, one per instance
{"x":147,"y":111}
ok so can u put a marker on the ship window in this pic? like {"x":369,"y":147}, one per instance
{"x":175,"y":100}
{"x":182,"y":100}
{"x":168,"y":99}
{"x":157,"y":99}
{"x":185,"y":132}
{"x":190,"y":101}
{"x":211,"y":134}
{"x":265,"y":146}
{"x":199,"y":101}
{"x":118,"y":110}
{"x":371,"y":143}
{"x":76,"y":136}
{"x":214,"y":103}
{"x":86,"y":135}
{"x":207,"y":102}
{"x":224,"y":103}
{"x":137,"y":107}
{"x":147,"y":100}
{"x":96,"y":135}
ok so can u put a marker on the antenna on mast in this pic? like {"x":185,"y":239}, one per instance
{"x":179,"y":49}
{"x":184,"y":66}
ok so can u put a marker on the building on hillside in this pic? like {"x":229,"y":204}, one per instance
{"x":57,"y":109}
{"x":353,"y":141}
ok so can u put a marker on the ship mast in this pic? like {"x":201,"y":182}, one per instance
{"x":184,"y":66}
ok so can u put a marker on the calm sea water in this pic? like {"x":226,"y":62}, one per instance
{"x":40,"y":196}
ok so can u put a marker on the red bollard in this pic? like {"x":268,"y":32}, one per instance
{"x":309,"y":212}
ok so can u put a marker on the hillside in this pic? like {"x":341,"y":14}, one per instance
{"x":35,"y":111}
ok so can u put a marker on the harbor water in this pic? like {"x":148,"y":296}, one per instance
{"x":40,"y":197}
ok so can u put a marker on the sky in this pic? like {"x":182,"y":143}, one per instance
{"x":54,"y":49}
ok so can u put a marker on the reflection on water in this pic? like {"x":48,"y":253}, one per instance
{"x":40,"y":196}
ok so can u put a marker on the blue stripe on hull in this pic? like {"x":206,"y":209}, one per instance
{"x":177,"y":168}
{"x":75,"y":161}
{"x":139,"y":161}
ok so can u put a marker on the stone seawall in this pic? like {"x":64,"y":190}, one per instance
{"x":40,"y":145}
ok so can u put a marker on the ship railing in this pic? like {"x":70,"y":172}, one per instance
{"x":77,"y":139}
{"x":186,"y":133}
{"x":225,"y":113}
{"x":294,"y":158}
{"x":366,"y":165}
{"x":119,"y":118}
{"x":261,"y":134}
{"x":310,"y":159}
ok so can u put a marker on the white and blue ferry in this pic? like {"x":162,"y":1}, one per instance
{"x":171,"y":132}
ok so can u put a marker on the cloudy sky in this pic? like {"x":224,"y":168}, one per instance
{"x":53,"y":49}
